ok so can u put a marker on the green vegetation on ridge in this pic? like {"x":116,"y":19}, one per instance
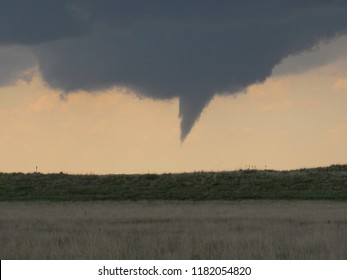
{"x":317,"y":183}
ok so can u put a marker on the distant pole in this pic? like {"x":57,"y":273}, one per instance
{"x":36,"y":169}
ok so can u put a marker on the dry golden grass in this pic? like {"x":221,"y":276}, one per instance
{"x":174,"y":230}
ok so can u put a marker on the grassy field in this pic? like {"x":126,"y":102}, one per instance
{"x":329,"y":183}
{"x":245,"y":214}
{"x":174,"y":230}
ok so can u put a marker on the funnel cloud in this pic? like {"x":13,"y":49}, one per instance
{"x":191,"y":50}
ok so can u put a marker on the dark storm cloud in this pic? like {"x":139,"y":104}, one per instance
{"x":191,"y":49}
{"x":36,"y":21}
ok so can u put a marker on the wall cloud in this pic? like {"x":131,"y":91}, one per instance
{"x":190,"y":49}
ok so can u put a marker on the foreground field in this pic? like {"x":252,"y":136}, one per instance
{"x":173,"y":230}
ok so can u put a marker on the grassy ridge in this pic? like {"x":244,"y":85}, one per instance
{"x":318,"y":183}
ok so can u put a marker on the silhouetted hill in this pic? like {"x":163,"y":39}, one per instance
{"x":316,"y":183}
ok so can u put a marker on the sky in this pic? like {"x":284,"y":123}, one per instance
{"x":172,"y":86}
